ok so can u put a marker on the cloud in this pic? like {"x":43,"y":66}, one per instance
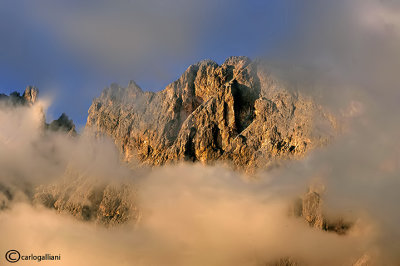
{"x":209,"y":215}
{"x":187,"y":219}
{"x":190,"y":214}
{"x":343,"y":51}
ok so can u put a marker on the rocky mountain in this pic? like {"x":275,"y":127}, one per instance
{"x":237,"y":113}
{"x":88,"y":199}
{"x":63,"y":123}
{"x":76,"y":193}
{"x":16,"y":99}
{"x":28,"y":98}
{"x":311,"y":208}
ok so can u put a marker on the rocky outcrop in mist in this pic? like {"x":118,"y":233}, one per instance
{"x":236,"y":112}
{"x":310,"y":207}
{"x":28,"y":98}
{"x":16,"y":99}
{"x":63,"y":123}
{"x":88,"y":199}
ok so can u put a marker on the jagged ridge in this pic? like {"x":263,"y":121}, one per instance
{"x":235,"y":112}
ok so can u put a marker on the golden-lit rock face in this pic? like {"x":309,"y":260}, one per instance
{"x":89,"y":200}
{"x":235,"y":113}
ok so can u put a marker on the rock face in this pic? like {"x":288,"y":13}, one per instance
{"x":63,"y":123}
{"x":235,"y":112}
{"x":311,"y":207}
{"x":90,"y":200}
{"x":29,"y":97}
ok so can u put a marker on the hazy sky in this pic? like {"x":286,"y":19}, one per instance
{"x":71,"y":50}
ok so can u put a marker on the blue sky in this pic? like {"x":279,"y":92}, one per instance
{"x":71,"y":50}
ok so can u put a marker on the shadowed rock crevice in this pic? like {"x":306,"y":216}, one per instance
{"x":190,"y":150}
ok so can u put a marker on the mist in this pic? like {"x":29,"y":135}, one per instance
{"x":346,"y":55}
{"x":189,"y":214}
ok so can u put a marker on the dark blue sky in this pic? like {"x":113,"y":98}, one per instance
{"x":71,"y":50}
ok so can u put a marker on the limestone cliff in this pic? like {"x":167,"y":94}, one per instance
{"x":236,"y":112}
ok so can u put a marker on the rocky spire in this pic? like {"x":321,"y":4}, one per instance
{"x":30,"y":95}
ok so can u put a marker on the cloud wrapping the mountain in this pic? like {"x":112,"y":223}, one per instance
{"x":191,"y":214}
{"x":196,"y":215}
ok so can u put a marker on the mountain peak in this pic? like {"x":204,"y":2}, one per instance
{"x":212,"y":113}
{"x":29,"y":97}
{"x":206,"y":62}
{"x":237,"y":61}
